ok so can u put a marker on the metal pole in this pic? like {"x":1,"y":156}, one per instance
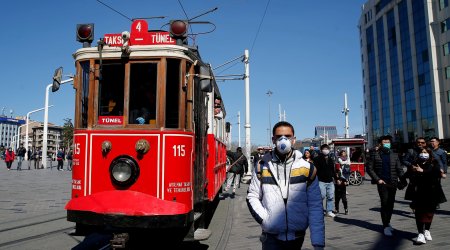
{"x":345,"y":111}
{"x":44,"y":142}
{"x":269,"y":93}
{"x":239,"y":128}
{"x":279,"y":113}
{"x":247,"y":110}
{"x":26,"y":128}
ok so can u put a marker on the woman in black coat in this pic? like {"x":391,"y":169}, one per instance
{"x":428,"y":193}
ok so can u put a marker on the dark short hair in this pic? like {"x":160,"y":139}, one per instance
{"x":238,"y":149}
{"x":435,"y":138}
{"x":324,"y":146}
{"x":385,"y":137}
{"x":420,"y":138}
{"x":282,"y":124}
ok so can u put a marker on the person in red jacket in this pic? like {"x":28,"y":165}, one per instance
{"x":9,"y":158}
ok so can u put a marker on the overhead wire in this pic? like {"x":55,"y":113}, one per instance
{"x":259,"y":27}
{"x":114,"y":10}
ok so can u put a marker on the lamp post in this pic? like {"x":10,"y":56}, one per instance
{"x":57,"y":77}
{"x":269,"y":93}
{"x":26,"y":128}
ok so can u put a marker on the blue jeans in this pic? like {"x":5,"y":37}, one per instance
{"x":327,"y":191}
{"x":270,"y":242}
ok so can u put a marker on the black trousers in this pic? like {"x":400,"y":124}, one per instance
{"x":387,"y":197}
{"x":340,"y":192}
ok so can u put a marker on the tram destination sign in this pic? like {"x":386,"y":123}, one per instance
{"x":140,"y":35}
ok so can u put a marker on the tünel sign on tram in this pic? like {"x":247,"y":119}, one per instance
{"x":110,"y":120}
{"x":140,"y":35}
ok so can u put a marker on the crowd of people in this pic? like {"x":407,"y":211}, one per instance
{"x":34,"y":157}
{"x":292,"y":190}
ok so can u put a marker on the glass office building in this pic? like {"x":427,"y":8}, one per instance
{"x":406,"y":68}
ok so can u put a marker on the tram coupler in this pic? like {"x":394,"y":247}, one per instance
{"x":119,"y":241}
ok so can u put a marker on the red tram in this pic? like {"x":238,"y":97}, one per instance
{"x":149,"y":141}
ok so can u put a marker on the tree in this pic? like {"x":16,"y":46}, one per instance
{"x":67,"y":133}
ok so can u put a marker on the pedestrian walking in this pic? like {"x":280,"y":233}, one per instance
{"x":307,"y":156}
{"x":9,"y":158}
{"x":69,"y":158}
{"x":428,"y":193}
{"x":326,"y":173}
{"x":286,"y":200}
{"x":60,"y":159}
{"x":340,"y":192}
{"x":30,"y":154}
{"x":440,"y":155}
{"x":344,"y":162}
{"x":237,"y":168}
{"x":21,"y":151}
{"x":385,"y":170}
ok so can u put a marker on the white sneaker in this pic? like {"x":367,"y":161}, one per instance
{"x":387,"y":231}
{"x":330,"y":214}
{"x":427,"y":235}
{"x":390,"y":227}
{"x":421,"y":239}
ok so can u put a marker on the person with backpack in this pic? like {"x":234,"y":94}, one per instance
{"x":60,"y":159}
{"x":236,"y":169}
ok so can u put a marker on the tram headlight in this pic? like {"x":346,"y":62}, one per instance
{"x":124,"y":171}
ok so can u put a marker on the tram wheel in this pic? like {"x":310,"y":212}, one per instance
{"x":355,"y":178}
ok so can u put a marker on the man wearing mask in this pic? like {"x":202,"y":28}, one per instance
{"x":440,"y":155}
{"x":286,"y":200}
{"x":413,"y":153}
{"x":326,"y":172}
{"x":385,"y":170}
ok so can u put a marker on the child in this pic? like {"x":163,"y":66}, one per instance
{"x":340,"y":192}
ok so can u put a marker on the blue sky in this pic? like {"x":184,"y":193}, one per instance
{"x":307,"y":53}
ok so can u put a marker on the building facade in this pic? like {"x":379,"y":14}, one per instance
{"x":8,"y":130}
{"x":406,"y":68}
{"x":54,"y":138}
{"x":327,"y":132}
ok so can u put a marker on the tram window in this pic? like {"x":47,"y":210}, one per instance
{"x":143,"y":81}
{"x":110,"y":90}
{"x":84,"y":93}
{"x":172,"y":93}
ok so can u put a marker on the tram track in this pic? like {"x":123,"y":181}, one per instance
{"x":34,"y":230}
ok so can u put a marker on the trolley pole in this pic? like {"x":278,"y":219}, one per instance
{"x":247,"y":112}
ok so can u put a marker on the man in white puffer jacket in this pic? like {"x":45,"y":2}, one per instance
{"x":286,"y":200}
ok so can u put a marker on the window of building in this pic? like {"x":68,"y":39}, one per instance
{"x":445,"y":25}
{"x":443,"y":4}
{"x":446,"y":49}
{"x":448,"y":96}
{"x":447,"y":72}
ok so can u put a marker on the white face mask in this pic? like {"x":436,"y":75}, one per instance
{"x":325,"y":151}
{"x":283,"y":145}
{"x":424,"y":156}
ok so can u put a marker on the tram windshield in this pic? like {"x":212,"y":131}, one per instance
{"x":143,"y":81}
{"x":110,"y":90}
{"x":133,"y":93}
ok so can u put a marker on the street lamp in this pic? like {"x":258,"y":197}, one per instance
{"x":57,"y":81}
{"x":26,"y":128}
{"x":269,"y":93}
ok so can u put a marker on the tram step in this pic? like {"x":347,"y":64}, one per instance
{"x":202,"y":234}
{"x":197,"y":215}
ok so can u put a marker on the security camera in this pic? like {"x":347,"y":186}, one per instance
{"x":125,"y":36}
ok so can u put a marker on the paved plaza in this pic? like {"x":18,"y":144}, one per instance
{"x":29,"y":195}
